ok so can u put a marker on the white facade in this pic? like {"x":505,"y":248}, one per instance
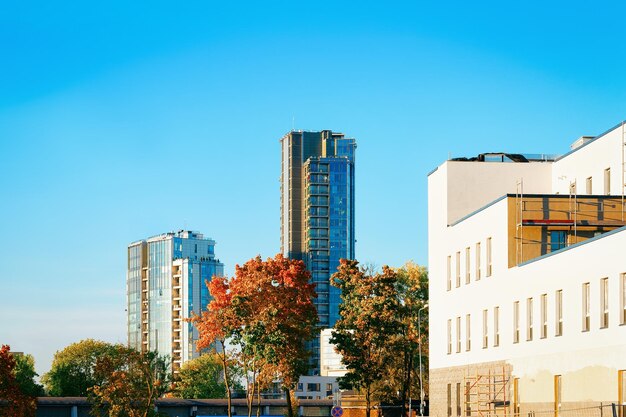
{"x":330,"y":359}
{"x":474,"y":290}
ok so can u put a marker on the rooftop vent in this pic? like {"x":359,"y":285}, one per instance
{"x":580,"y":142}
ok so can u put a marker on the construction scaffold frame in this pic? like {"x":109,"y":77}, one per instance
{"x":487,"y":395}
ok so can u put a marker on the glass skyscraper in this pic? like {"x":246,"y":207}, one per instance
{"x":164,"y":285}
{"x":317,"y":212}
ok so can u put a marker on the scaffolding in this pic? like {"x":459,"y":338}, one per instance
{"x":487,"y":395}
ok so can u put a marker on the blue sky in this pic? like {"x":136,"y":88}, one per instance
{"x":122,"y":120}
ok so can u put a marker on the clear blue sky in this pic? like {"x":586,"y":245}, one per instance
{"x":121,"y":120}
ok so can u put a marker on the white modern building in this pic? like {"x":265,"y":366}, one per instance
{"x":330,"y":359}
{"x":165,"y":284}
{"x":527,"y":270}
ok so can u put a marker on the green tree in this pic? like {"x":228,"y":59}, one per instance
{"x":131,"y":382}
{"x":25,"y":375}
{"x":368,"y":324}
{"x":202,"y":378}
{"x":72,"y":370}
{"x":17,"y":403}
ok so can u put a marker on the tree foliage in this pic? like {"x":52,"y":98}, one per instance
{"x":15,"y":384}
{"x":131,"y":381}
{"x":266,"y":310}
{"x":377,"y":333}
{"x":202,"y":378}
{"x":72,"y":372}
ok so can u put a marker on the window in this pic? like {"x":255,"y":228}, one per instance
{"x":529,"y":319}
{"x":467,"y":265}
{"x":485,"y":328}
{"x":496,"y":326}
{"x":557,"y":395}
{"x":449,"y":273}
{"x":300,"y":386}
{"x":623,"y":299}
{"x":449,"y":400}
{"x":558,"y":240}
{"x":604,"y":303}
{"x":312,"y":387}
{"x":458,"y":334}
{"x":516,"y":322}
{"x":449,"y":336}
{"x":586,"y":311}
{"x":488,"y":256}
{"x":468,"y":333}
{"x":516,"y":397}
{"x":621,"y":392}
{"x":558,"y":303}
{"x":589,"y":186}
{"x":195,"y":248}
{"x":477,"y":261}
{"x":468,"y":400}
{"x":607,"y":181}
{"x":458,"y":269}
{"x":544,"y":316}
{"x":458,"y":398}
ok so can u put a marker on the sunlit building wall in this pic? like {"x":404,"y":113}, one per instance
{"x":165,"y":284}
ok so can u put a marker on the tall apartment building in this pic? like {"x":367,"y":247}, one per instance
{"x":528,"y":282}
{"x":164,"y":285}
{"x":317,"y":211}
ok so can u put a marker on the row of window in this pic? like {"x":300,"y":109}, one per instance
{"x":589,"y":183}
{"x":470,"y":390}
{"x":468,"y":268}
{"x":543,"y":319}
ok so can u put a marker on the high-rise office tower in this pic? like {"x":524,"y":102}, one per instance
{"x":317,"y":212}
{"x":164,"y":285}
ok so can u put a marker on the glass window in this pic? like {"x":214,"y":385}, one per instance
{"x":477,"y":261}
{"x":558,"y":302}
{"x":449,"y":336}
{"x":468,"y":333}
{"x":558,"y":240}
{"x":607,"y":181}
{"x":458,"y":334}
{"x":604,"y":303}
{"x":467,"y":265}
{"x":529,"y":319}
{"x":544,"y":316}
{"x":496,"y":326}
{"x":458,"y":269}
{"x":586,"y":307}
{"x":485,"y":328}
{"x":312,"y":387}
{"x":489,"y":267}
{"x":516,"y":322}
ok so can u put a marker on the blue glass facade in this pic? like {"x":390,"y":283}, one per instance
{"x":317,"y":213}
{"x":165,"y":284}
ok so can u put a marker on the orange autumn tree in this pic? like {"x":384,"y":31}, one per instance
{"x":17,"y":403}
{"x":267,"y":310}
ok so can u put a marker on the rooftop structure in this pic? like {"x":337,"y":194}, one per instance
{"x":528,"y":281}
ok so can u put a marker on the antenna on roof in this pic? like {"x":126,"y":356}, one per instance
{"x":293,"y":122}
